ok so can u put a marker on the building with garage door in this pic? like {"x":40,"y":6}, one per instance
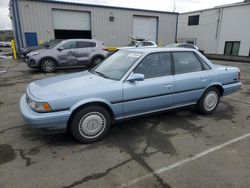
{"x":41,"y":20}
{"x":219,"y":30}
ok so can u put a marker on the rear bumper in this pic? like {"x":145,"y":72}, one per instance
{"x":45,"y":122}
{"x":231,"y":88}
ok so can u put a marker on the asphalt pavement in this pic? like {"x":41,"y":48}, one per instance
{"x":180,"y":148}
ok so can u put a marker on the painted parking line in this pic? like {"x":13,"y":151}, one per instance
{"x":187,"y":160}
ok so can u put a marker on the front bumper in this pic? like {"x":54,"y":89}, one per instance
{"x":32,"y":62}
{"x":46,"y":122}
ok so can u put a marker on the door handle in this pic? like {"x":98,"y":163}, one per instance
{"x":203,"y":79}
{"x":168,"y":85}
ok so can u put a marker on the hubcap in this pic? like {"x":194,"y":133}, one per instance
{"x":92,"y":125}
{"x":48,"y":65}
{"x":211,"y":100}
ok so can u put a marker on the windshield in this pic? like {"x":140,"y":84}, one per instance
{"x":52,"y":44}
{"x":132,"y":43}
{"x":117,"y":65}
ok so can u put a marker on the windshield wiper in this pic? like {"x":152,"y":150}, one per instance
{"x":101,"y":74}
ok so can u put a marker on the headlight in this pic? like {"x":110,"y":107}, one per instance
{"x":39,"y":106}
{"x":34,"y":53}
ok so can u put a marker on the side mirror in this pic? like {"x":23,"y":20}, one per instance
{"x":135,"y":77}
{"x":60,"y":49}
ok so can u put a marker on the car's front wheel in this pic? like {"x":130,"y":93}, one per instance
{"x":96,"y":60}
{"x":90,"y":124}
{"x":209,"y":101}
{"x":48,"y":65}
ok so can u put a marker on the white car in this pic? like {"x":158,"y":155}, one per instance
{"x":138,"y":44}
{"x":182,"y":45}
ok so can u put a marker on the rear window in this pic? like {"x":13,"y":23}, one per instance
{"x":86,"y":44}
{"x":148,"y":44}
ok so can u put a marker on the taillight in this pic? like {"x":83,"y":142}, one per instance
{"x":105,"y":49}
{"x":238,"y":75}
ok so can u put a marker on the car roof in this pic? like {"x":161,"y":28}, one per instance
{"x":162,"y":49}
{"x":85,"y":40}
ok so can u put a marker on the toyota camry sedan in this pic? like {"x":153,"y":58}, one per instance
{"x":130,"y":83}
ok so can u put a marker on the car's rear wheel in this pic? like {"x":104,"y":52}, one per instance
{"x":90,"y":124}
{"x":96,"y":60}
{"x":48,"y":65}
{"x":209,"y":101}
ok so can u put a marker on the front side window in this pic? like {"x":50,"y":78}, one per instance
{"x":86,"y":44}
{"x":116,"y":65}
{"x":139,"y":44}
{"x":69,"y":45}
{"x":155,"y":65}
{"x":193,"y":20}
{"x":186,"y":62}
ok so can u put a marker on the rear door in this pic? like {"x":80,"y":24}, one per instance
{"x":67,"y":54}
{"x":85,"y":51}
{"x":191,"y":77}
{"x":155,"y":92}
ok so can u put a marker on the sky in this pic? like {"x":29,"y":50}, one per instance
{"x":163,"y":5}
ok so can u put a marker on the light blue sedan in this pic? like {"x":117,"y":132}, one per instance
{"x":131,"y":82}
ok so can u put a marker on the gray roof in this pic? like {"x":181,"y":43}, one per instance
{"x":218,"y":7}
{"x":103,"y":6}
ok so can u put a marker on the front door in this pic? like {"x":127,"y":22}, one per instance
{"x":155,"y":92}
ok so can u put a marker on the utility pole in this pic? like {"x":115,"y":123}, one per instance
{"x":174,"y":6}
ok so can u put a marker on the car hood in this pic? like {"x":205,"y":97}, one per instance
{"x":40,"y":50}
{"x":70,"y":85}
{"x":28,"y":49}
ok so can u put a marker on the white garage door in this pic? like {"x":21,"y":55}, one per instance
{"x":145,"y":27}
{"x":71,"y":20}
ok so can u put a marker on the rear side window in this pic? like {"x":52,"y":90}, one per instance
{"x":155,"y":65}
{"x":186,"y":62}
{"x":148,"y":44}
{"x":69,"y":45}
{"x":86,"y":44}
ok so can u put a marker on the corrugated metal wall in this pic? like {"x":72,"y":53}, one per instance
{"x":36,"y":17}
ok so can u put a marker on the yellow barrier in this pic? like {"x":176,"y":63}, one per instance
{"x":111,"y":49}
{"x":40,"y":42}
{"x":13,"y":47}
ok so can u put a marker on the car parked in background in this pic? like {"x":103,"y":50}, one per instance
{"x":182,"y":45}
{"x":25,"y":51}
{"x":138,"y":44}
{"x":5,"y":44}
{"x":130,"y":83}
{"x":135,"y":42}
{"x":70,"y":52}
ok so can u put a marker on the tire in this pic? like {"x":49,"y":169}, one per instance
{"x":48,"y":65}
{"x":209,"y":101}
{"x":90,"y":124}
{"x":96,"y":60}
